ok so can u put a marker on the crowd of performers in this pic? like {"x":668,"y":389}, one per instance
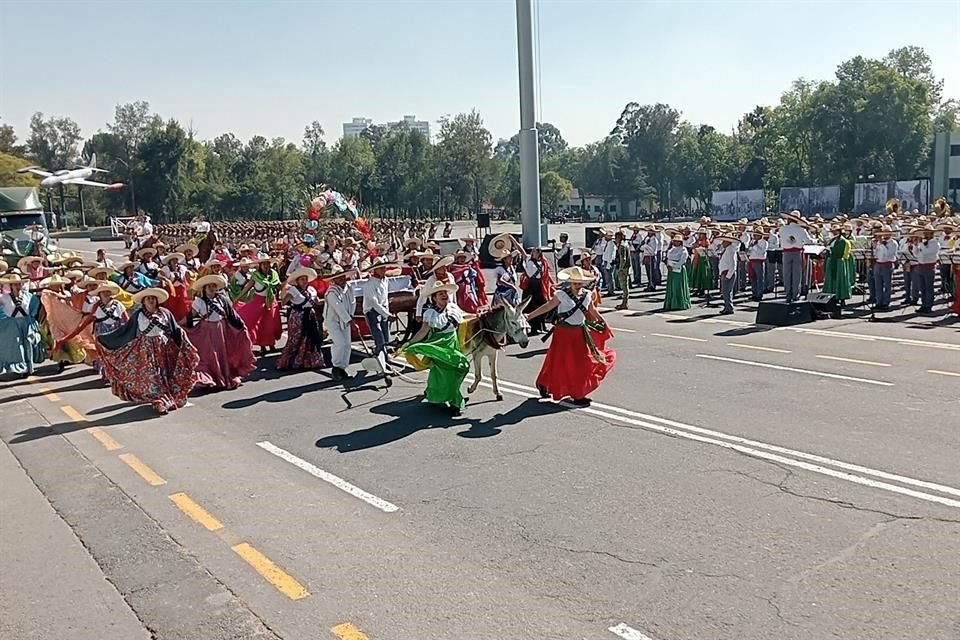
{"x":158,"y":326}
{"x":842,"y":257}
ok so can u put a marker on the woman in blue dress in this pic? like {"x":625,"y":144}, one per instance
{"x":508,"y":282}
{"x":21,"y":346}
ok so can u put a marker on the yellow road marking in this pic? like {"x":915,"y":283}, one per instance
{"x":72,"y":413}
{"x":944,"y":373}
{"x":32,"y":379}
{"x":667,"y":335}
{"x":347,"y":631}
{"x":108,"y":443}
{"x":757,"y":348}
{"x":50,"y":395}
{"x":868,"y":362}
{"x":273,"y":574}
{"x":195,"y":512}
{"x":142,"y":470}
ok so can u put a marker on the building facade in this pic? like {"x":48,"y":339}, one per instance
{"x":412,"y":124}
{"x":946,"y":167}
{"x":356,"y":126}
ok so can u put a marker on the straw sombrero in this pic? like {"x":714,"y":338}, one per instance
{"x":440,"y":286}
{"x":303,"y":272}
{"x":101,"y":273}
{"x":105,"y":285}
{"x":501,"y":246}
{"x":189,"y":246}
{"x":55,"y":279}
{"x":160,"y":294}
{"x":793,"y":216}
{"x":443,"y":262}
{"x":149,"y":252}
{"x":213,"y":278}
{"x":575,"y":274}
{"x":339,"y":272}
{"x":170,"y":256}
{"x":11,"y":278}
{"x":24,"y":263}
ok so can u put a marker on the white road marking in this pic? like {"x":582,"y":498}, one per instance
{"x":757,"y":348}
{"x":628,"y":633}
{"x":687,"y":433}
{"x":668,"y":335}
{"x":623,"y":330}
{"x":835,"y":376}
{"x":671,"y":316}
{"x":339,"y":483}
{"x":839,"y":359}
{"x":857,"y":336}
{"x":738,"y":323}
{"x":944,"y":373}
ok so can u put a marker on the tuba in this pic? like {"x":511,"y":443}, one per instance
{"x":941,"y":207}
{"x":893,"y":206}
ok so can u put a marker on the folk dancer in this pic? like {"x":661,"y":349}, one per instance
{"x":150,"y":360}
{"x":261,"y":314}
{"x":469,"y":295}
{"x":437,"y":347}
{"x":536,"y":282}
{"x":338,"y":309}
{"x":793,"y":237}
{"x":564,"y":252}
{"x":303,"y":349}
{"x":677,"y":297}
{"x":175,"y":275}
{"x":439,"y":273}
{"x":508,"y":282}
{"x":20,"y":344}
{"x":376,"y":311}
{"x":701,"y":279}
{"x":219,"y":335}
{"x":578,"y":357}
{"x":839,"y":273}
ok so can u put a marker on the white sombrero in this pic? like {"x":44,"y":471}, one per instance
{"x":160,"y":294}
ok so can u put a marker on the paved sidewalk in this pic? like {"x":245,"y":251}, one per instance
{"x":50,"y":587}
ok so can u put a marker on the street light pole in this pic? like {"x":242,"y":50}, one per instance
{"x":529,"y":145}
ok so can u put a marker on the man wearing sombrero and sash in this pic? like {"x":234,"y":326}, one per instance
{"x":793,"y":237}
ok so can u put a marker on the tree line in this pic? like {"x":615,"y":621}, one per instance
{"x":875,"y":120}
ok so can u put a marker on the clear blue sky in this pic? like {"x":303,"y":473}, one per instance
{"x":272,"y":67}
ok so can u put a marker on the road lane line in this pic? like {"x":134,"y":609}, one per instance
{"x":738,"y":323}
{"x":195,"y":512}
{"x":622,"y":330}
{"x":628,"y":633}
{"x":668,"y":335}
{"x":671,"y":316}
{"x":944,"y":373}
{"x":857,"y":336}
{"x":108,"y":442}
{"x":835,"y":376}
{"x":104,"y":438}
{"x":680,"y":426}
{"x":50,"y":395}
{"x":283,"y":581}
{"x":851,"y":360}
{"x":145,"y":472}
{"x":328,"y":477}
{"x":347,"y":631}
{"x":757,"y":348}
{"x":32,"y":378}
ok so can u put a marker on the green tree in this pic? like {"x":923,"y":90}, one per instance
{"x":648,"y":132}
{"x":53,"y":143}
{"x":464,"y":154}
{"x":9,"y":164}
{"x":554,"y":188}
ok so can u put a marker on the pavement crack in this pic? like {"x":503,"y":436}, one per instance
{"x":781,"y":486}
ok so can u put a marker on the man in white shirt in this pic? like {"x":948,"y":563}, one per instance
{"x":663,"y":243}
{"x":728,"y":271}
{"x":927,"y":252}
{"x":757,"y":261}
{"x":885,"y":252}
{"x":649,"y":255}
{"x":793,"y":236}
{"x":608,"y":258}
{"x":338,"y":309}
{"x":103,"y":260}
{"x":772,"y":266}
{"x":636,"y":255}
{"x":376,"y":310}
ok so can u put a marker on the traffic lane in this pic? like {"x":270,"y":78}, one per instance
{"x":490,"y":480}
{"x":349,"y":556}
{"x":88,"y":248}
{"x":906,"y":428}
{"x":571,"y":507}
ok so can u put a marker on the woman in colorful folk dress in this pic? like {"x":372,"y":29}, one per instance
{"x":60,"y":318}
{"x":20,"y":345}
{"x":678,"y":287}
{"x":150,"y":360}
{"x":304,"y":333}
{"x":261,"y":314}
{"x":218,"y":333}
{"x":440,"y":349}
{"x":508,"y":282}
{"x":176,"y":278}
{"x":578,"y":357}
{"x":105,"y":313}
{"x":131,"y":282}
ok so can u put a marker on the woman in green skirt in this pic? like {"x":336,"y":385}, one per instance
{"x":839,"y":270}
{"x":678,"y":287}
{"x":440,"y":349}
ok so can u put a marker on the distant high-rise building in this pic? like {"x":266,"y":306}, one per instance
{"x":356,"y":126}
{"x":411,"y":123}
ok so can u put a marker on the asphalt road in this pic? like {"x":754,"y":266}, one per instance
{"x":730,"y":481}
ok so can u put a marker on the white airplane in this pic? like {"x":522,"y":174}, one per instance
{"x":78,"y":176}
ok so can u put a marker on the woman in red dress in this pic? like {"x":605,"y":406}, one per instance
{"x":226,"y":354}
{"x":262,"y":313}
{"x":578,"y":357}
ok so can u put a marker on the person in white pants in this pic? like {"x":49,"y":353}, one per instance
{"x":338,"y":308}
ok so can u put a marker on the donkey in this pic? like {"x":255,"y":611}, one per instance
{"x":488,"y":334}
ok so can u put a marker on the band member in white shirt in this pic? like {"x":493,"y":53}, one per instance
{"x":636,"y":255}
{"x":728,"y":271}
{"x":757,"y":262}
{"x":885,"y":255}
{"x":338,"y":308}
{"x":927,"y":252}
{"x":773,"y":253}
{"x":793,"y":236}
{"x":608,"y":258}
{"x":649,"y":256}
{"x":376,"y":310}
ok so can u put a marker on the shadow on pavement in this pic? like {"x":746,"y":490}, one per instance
{"x":138,"y":413}
{"x":21,"y":394}
{"x":529,"y":408}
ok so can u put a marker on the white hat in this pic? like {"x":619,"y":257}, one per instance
{"x":440,"y":286}
{"x":160,"y":294}
{"x":442,"y":263}
{"x":303,"y":272}
{"x":211,"y":278}
{"x":575,"y":274}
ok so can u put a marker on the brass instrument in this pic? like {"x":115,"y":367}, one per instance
{"x":893,"y":206}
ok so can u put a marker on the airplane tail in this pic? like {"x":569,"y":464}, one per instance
{"x":93,"y":164}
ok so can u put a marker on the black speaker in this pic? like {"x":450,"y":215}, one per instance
{"x":825,"y":305}
{"x":779,"y":313}
{"x":483,"y":220}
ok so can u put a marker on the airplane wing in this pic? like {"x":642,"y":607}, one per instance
{"x":87,"y":183}
{"x":36,"y":171}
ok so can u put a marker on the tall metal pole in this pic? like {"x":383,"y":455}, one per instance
{"x":529,"y":145}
